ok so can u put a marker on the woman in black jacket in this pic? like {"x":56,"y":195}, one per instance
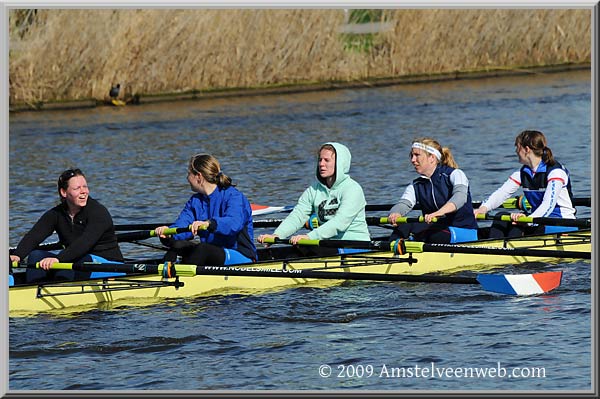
{"x":84,"y":227}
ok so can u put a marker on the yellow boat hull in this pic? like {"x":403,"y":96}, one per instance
{"x":142,"y":289}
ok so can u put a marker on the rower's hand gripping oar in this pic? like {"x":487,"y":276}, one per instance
{"x":142,"y":235}
{"x":401,"y":247}
{"x":520,"y":284}
{"x":371,"y":221}
{"x":313,"y":222}
{"x":518,"y":202}
{"x":583,"y":223}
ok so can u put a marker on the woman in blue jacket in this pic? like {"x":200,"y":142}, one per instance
{"x":219,"y":214}
{"x":442,"y":191}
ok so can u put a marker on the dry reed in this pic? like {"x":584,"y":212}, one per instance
{"x":74,"y":54}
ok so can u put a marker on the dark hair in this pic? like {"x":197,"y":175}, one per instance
{"x":210,"y":169}
{"x":63,"y":179}
{"x":536,"y":141}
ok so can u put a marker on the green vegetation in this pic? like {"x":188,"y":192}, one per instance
{"x":362,"y":42}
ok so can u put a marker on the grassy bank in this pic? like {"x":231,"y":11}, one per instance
{"x":66,"y":55}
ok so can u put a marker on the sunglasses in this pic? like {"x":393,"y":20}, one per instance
{"x":68,"y":174}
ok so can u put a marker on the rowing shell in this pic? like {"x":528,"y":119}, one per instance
{"x":141,"y":289}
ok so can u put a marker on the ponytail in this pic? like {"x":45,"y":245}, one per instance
{"x":536,"y":141}
{"x":209,"y":167}
{"x":431,"y":146}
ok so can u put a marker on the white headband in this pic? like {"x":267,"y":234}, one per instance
{"x":428,"y":148}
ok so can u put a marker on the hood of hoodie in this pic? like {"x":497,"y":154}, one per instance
{"x":342,"y":164}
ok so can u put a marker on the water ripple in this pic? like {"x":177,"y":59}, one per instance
{"x":135,"y":160}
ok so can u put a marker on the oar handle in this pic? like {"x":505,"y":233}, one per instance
{"x":511,"y":203}
{"x":177,"y":230}
{"x":277,"y":240}
{"x":584,"y":223}
{"x":324,"y":243}
{"x":142,"y":235}
{"x":139,"y":226}
{"x":400,"y":220}
{"x":166,"y":269}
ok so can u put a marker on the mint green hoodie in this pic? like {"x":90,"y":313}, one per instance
{"x":340,"y":209}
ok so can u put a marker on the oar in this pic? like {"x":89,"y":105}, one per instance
{"x":371,"y":221}
{"x":48,"y":246}
{"x":520,"y":284}
{"x":142,"y":235}
{"x":511,"y":203}
{"x":122,"y":237}
{"x":584,"y":223}
{"x":257,"y":210}
{"x":403,"y":247}
{"x":139,"y":226}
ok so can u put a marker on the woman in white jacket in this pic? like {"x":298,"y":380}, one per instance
{"x":546,"y":186}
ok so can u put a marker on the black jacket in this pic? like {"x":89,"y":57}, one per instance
{"x":91,"y":232}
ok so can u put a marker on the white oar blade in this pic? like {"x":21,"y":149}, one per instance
{"x":264,"y":209}
{"x":520,"y":284}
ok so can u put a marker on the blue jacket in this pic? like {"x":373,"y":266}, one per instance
{"x":433,"y":193}
{"x":230,"y":217}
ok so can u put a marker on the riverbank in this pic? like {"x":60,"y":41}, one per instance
{"x":59,"y":58}
{"x":299,"y":88}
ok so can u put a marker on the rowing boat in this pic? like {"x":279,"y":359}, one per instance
{"x":143,"y":288}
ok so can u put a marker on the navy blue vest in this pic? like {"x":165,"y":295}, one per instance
{"x":433,"y":193}
{"x":534,"y":185}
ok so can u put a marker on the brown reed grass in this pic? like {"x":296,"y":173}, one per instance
{"x":70,"y":54}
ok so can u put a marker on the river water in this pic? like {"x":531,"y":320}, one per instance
{"x":135,"y":159}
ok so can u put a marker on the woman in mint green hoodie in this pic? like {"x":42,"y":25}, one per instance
{"x":334,"y":198}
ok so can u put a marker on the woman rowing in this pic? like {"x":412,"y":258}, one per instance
{"x":546,"y":186}
{"x":84,"y":227}
{"x":218,"y":213}
{"x":442,"y":190}
{"x":335,"y":200}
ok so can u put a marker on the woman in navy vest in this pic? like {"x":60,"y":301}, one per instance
{"x":442,"y":191}
{"x":546,"y":186}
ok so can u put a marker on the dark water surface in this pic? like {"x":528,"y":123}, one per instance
{"x":135,"y":159}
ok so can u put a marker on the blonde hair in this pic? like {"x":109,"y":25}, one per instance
{"x":210,"y":169}
{"x":446,"y":155}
